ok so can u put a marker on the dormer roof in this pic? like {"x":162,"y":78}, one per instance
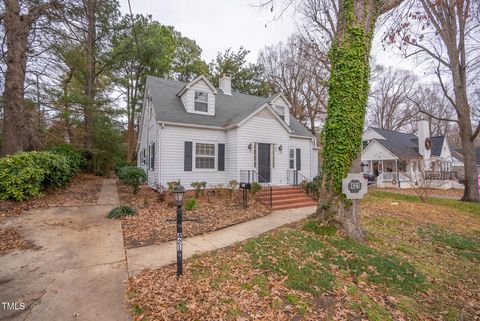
{"x":230,"y":110}
{"x":194,"y":81}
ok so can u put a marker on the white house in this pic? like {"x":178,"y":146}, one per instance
{"x":196,"y":132}
{"x":399,"y":159}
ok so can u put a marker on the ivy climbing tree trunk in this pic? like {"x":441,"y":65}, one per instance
{"x":348,"y":95}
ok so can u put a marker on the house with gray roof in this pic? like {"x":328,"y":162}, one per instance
{"x":398,"y":159}
{"x":196,"y":132}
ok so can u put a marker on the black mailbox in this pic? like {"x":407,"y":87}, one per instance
{"x":245,"y":185}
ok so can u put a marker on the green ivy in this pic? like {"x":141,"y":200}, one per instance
{"x":348,"y":95}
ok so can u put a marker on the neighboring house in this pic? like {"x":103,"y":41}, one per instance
{"x":196,"y":132}
{"x":399,"y":159}
{"x":458,"y":157}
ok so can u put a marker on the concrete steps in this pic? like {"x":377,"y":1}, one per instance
{"x":288,"y":197}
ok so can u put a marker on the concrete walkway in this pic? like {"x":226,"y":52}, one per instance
{"x":108,"y":194}
{"x":77,"y":270}
{"x":156,"y":256}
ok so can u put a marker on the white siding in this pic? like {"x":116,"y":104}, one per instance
{"x":306,"y":155}
{"x":231,"y":154}
{"x":173,"y":149}
{"x":282,"y":103}
{"x":189,"y":96}
{"x":370,"y":134}
{"x":149,"y":134}
{"x":375,"y":151}
{"x":263,"y":128}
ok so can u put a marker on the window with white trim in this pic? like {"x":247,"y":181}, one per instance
{"x":152,"y":157}
{"x":204,"y":156}
{"x":201,"y":101}
{"x":291,"y":158}
{"x":281,"y":112}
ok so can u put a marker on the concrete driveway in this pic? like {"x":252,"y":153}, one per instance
{"x":76,"y":272}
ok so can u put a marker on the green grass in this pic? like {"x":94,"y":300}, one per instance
{"x":182,"y":307}
{"x":307,"y":260}
{"x":468,"y":207}
{"x":380,"y":269}
{"x":289,"y":253}
{"x":462,"y":245}
{"x":137,"y":310}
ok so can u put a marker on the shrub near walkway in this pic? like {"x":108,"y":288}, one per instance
{"x":150,"y":225}
{"x":420,"y":269}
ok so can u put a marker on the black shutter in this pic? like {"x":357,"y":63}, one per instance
{"x":299,"y":160}
{"x":187,"y":161}
{"x":153,"y":157}
{"x":221,"y":157}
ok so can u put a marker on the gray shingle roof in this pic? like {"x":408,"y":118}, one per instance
{"x":457,"y":153}
{"x":229,"y":109}
{"x":404,"y":146}
{"x":437,"y":144}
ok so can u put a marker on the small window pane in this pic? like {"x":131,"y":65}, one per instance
{"x":205,"y":156}
{"x":201,"y":101}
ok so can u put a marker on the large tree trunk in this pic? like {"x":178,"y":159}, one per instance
{"x":459,"y":76}
{"x":14,"y":110}
{"x":88,"y":112}
{"x":348,"y":95}
{"x":470,"y":193}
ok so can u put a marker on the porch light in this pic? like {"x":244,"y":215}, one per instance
{"x":280,"y":148}
{"x":250,"y":146}
{"x":178,"y":193}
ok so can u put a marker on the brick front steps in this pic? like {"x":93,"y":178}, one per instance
{"x":288,"y":197}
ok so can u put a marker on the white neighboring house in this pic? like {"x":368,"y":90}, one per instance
{"x":196,"y":132}
{"x":399,"y":159}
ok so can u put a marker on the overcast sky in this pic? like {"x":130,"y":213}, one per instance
{"x":220,"y":24}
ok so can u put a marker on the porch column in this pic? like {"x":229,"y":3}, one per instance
{"x":396,"y":173}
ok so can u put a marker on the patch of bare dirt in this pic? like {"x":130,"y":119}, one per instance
{"x":155,"y":220}
{"x":81,"y":190}
{"x":10,"y":240}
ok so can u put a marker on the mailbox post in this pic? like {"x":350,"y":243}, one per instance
{"x":178,"y":193}
{"x":245,"y":187}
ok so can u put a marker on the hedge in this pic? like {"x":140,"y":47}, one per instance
{"x":26,"y":174}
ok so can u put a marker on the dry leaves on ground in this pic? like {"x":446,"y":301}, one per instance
{"x":82,"y":189}
{"x":11,"y":240}
{"x":155,"y":223}
{"x":229,"y":285}
{"x":224,"y":285}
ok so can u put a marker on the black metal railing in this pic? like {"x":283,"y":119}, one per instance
{"x":296,"y":178}
{"x":251,"y":176}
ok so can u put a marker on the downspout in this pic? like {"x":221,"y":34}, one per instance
{"x":161,"y":152}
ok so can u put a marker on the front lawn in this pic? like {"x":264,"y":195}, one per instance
{"x":421,"y":262}
{"x":155,"y":219}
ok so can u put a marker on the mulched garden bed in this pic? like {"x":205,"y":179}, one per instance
{"x":83,"y":189}
{"x":150,"y":225}
{"x":11,"y":240}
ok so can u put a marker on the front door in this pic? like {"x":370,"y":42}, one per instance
{"x":264,"y":163}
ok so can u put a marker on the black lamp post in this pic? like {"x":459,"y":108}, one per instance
{"x":178,"y":193}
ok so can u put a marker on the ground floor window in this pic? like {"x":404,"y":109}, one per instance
{"x":291,"y":158}
{"x":204,"y":156}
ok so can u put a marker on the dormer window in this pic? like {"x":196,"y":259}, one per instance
{"x":201,"y":101}
{"x":281,"y":112}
